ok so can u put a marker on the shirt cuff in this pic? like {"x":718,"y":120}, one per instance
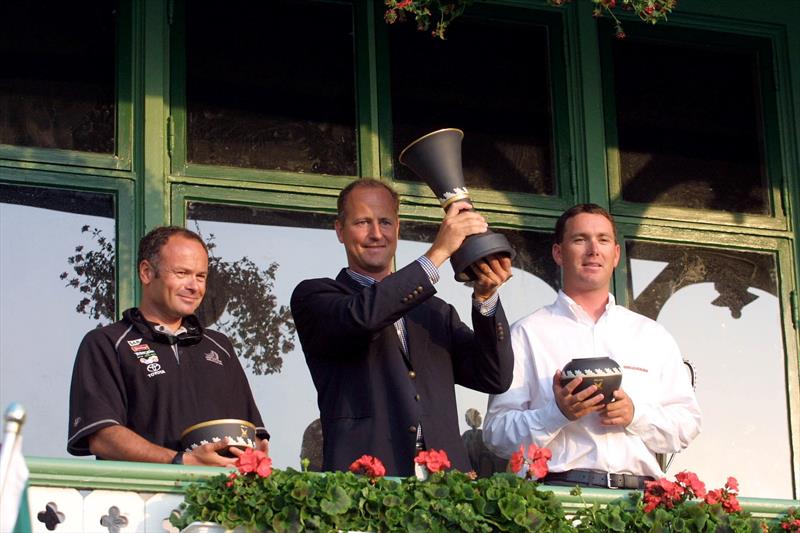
{"x":488,"y":306}
{"x":429,"y":268}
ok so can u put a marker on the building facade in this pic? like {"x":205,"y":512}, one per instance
{"x":243,"y":121}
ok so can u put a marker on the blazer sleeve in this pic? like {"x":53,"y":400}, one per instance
{"x":482,"y":360}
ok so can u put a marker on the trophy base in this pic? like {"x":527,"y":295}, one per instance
{"x":476,"y":247}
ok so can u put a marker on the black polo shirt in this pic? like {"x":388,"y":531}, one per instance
{"x":155,"y":384}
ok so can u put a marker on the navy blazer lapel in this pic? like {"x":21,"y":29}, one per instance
{"x":354,"y":286}
{"x":345,"y":279}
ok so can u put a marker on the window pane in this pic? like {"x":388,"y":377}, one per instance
{"x":258,"y":256}
{"x":270,"y":85}
{"x":57,"y":267}
{"x":490,"y":79}
{"x":57,"y":77}
{"x":689,"y":124}
{"x":722,"y":307}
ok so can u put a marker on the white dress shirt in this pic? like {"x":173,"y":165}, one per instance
{"x":666,"y":415}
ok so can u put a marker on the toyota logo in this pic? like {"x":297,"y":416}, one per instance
{"x":153,"y":367}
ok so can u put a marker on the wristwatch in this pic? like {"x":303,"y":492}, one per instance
{"x":178,"y":459}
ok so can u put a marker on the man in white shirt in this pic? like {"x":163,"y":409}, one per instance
{"x":655,"y":409}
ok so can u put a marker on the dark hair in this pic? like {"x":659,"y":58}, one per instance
{"x":341,"y":202}
{"x":575,"y":210}
{"x":151,"y":244}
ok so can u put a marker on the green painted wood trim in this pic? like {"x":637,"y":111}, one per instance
{"x":587,"y":104}
{"x":126,"y":78}
{"x":115,"y":475}
{"x":152,"y":193}
{"x":149,"y":477}
{"x":273,"y":196}
{"x":787,"y":288}
{"x":60,"y":157}
{"x":62,"y":169}
{"x":366,"y":84}
{"x":177,"y":126}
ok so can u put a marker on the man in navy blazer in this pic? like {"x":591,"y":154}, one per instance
{"x":383,"y":351}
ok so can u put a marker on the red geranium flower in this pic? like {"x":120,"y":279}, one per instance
{"x":369,"y":466}
{"x":517,"y":459}
{"x":536,"y":459}
{"x":690,"y":481}
{"x":254,"y":461}
{"x":434,"y":461}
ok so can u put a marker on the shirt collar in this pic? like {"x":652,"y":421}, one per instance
{"x":361,"y":279}
{"x":569,"y":307}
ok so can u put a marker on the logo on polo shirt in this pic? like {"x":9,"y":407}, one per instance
{"x":147,"y":356}
{"x":213,"y":357}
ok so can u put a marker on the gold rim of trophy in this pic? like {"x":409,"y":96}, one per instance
{"x":215,"y":422}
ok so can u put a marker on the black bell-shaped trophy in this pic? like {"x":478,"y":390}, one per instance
{"x":436,"y":158}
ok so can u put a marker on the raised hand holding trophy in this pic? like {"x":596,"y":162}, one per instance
{"x":436,"y":158}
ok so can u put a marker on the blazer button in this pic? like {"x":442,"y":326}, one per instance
{"x":416,"y":397}
{"x":412,"y":374}
{"x":412,"y":429}
{"x":420,"y":289}
{"x":404,"y":300}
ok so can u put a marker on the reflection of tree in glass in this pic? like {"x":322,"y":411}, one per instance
{"x":260,"y":330}
{"x":258,"y":327}
{"x":94,"y":277}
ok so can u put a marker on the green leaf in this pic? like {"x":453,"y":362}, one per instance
{"x":338,"y":504}
{"x":511,"y":506}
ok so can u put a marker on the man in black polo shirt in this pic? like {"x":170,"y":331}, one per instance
{"x":138,"y":383}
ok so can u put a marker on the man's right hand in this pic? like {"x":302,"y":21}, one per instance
{"x":575,"y":406}
{"x":458,"y":224}
{"x":208,"y":455}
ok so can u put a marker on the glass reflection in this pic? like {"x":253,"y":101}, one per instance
{"x":270,"y":85}
{"x":489,"y":78}
{"x":690,"y":131}
{"x":723,"y":310}
{"x":45,"y":234}
{"x":57,"y":84}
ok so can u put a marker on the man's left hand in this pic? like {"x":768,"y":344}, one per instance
{"x":619,"y":412}
{"x":492,"y":271}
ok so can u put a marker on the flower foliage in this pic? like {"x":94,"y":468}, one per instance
{"x":369,"y":466}
{"x":650,"y":11}
{"x":434,"y":461}
{"x":667,"y":493}
{"x":791,"y":522}
{"x":307,"y":501}
{"x":440,"y":13}
{"x":671,"y":506}
{"x":535,"y":460}
{"x":426,"y":13}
